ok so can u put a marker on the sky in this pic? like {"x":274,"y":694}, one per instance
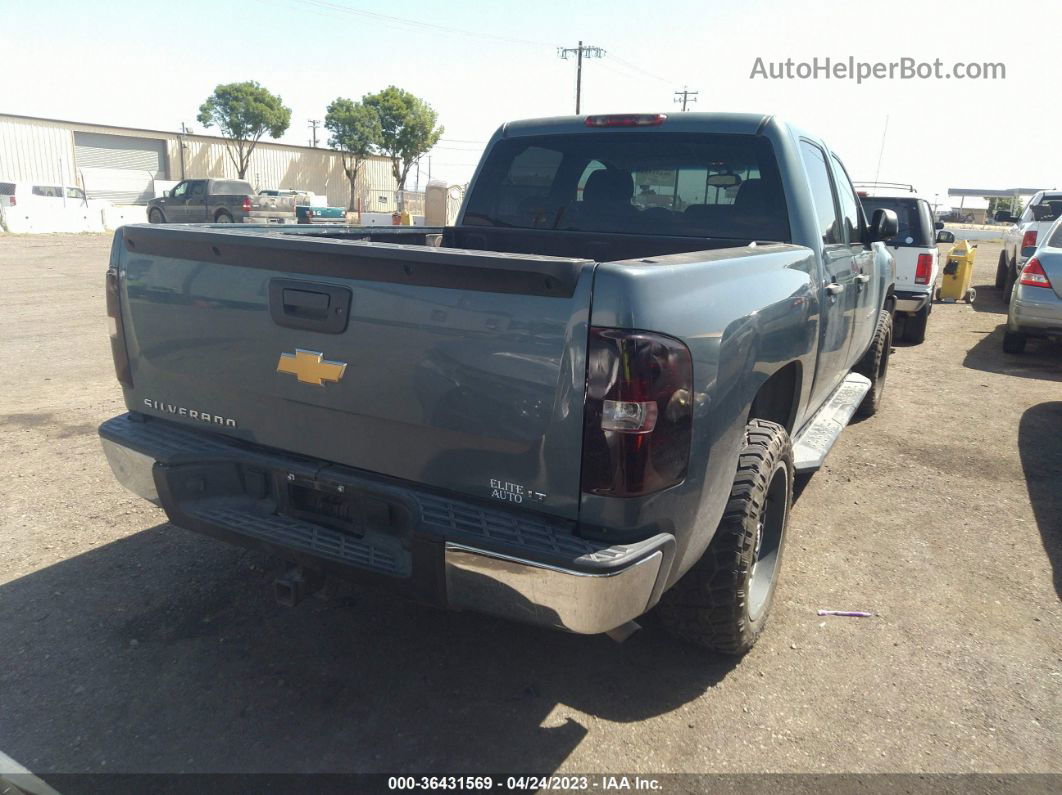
{"x":479,"y":64}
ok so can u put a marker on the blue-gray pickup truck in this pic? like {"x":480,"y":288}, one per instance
{"x":585,"y":401}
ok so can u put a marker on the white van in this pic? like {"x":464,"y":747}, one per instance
{"x":915,"y":251}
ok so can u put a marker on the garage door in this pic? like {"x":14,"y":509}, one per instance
{"x":119,"y":168}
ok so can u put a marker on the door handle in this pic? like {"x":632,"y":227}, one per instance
{"x":862,"y":278}
{"x":834,"y":288}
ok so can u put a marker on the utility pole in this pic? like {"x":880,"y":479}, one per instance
{"x":182,"y":145}
{"x":685,"y":95}
{"x":313,"y":124}
{"x":579,"y":52}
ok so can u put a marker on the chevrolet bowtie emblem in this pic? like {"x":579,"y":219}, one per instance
{"x":310,"y":367}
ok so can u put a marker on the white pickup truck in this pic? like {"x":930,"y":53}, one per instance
{"x":1027,"y":231}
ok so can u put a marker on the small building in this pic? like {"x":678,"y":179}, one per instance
{"x":122,"y":164}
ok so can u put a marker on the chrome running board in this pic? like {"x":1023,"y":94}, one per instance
{"x":813,"y":443}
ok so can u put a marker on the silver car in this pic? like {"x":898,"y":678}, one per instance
{"x":1036,"y":302}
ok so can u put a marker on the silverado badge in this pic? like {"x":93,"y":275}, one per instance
{"x":310,"y":367}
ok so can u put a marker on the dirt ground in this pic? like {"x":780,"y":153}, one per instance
{"x":131,"y":645}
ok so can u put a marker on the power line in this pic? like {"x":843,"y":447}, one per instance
{"x":588,"y":51}
{"x":685,"y":93}
{"x":645,"y":72}
{"x":416,"y":24}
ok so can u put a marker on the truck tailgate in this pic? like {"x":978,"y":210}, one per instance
{"x":458,"y":369}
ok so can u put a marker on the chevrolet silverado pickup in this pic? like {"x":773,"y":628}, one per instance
{"x":584,"y":401}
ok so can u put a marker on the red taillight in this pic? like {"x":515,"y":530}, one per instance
{"x":924,"y":268}
{"x":247,"y":204}
{"x":638,"y":415}
{"x":13,"y":201}
{"x":1028,"y":239}
{"x":114,"y":314}
{"x":626,"y":120}
{"x":1032,"y":275}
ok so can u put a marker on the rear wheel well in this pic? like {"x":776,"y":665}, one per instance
{"x":776,"y":399}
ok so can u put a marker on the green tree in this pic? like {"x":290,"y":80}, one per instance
{"x":243,"y":113}
{"x":408,"y":130}
{"x":356,"y":133}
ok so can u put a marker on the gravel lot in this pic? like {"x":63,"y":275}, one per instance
{"x":131,"y":645}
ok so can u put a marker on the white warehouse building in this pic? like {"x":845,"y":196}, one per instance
{"x":121,"y":164}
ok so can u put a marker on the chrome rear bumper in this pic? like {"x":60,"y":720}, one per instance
{"x":535,"y":593}
{"x":597,"y":589}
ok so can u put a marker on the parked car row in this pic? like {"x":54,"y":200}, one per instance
{"x":220,"y":201}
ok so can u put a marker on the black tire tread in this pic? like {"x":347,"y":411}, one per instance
{"x":870,"y":364}
{"x":707,"y":607}
{"x":1001,"y":271}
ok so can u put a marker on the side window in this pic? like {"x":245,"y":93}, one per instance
{"x":822,"y":192}
{"x":849,"y":203}
{"x":180,"y":191}
{"x":198,"y":189}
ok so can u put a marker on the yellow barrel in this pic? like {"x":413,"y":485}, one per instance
{"x":958,"y":274}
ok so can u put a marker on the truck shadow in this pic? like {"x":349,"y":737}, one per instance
{"x":164,"y":652}
{"x":1040,"y":446}
{"x":1042,"y":359}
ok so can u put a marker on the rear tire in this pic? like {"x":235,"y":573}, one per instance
{"x":723,"y":601}
{"x":223,"y":218}
{"x":1013,"y":342}
{"x":971,"y":295}
{"x":155,"y":216}
{"x":915,"y":328}
{"x":1001,"y":271}
{"x":1008,"y":283}
{"x":875,"y":365}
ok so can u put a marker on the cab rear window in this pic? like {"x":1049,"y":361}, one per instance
{"x":718,"y":186}
{"x":914,"y":221}
{"x":7,"y":188}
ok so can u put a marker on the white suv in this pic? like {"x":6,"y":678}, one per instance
{"x":914,"y":248}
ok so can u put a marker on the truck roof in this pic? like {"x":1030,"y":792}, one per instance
{"x":726,"y":123}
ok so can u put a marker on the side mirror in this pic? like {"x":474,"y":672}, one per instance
{"x":944,"y":236}
{"x":1028,"y":251}
{"x":883,"y":225}
{"x":938,"y":225}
